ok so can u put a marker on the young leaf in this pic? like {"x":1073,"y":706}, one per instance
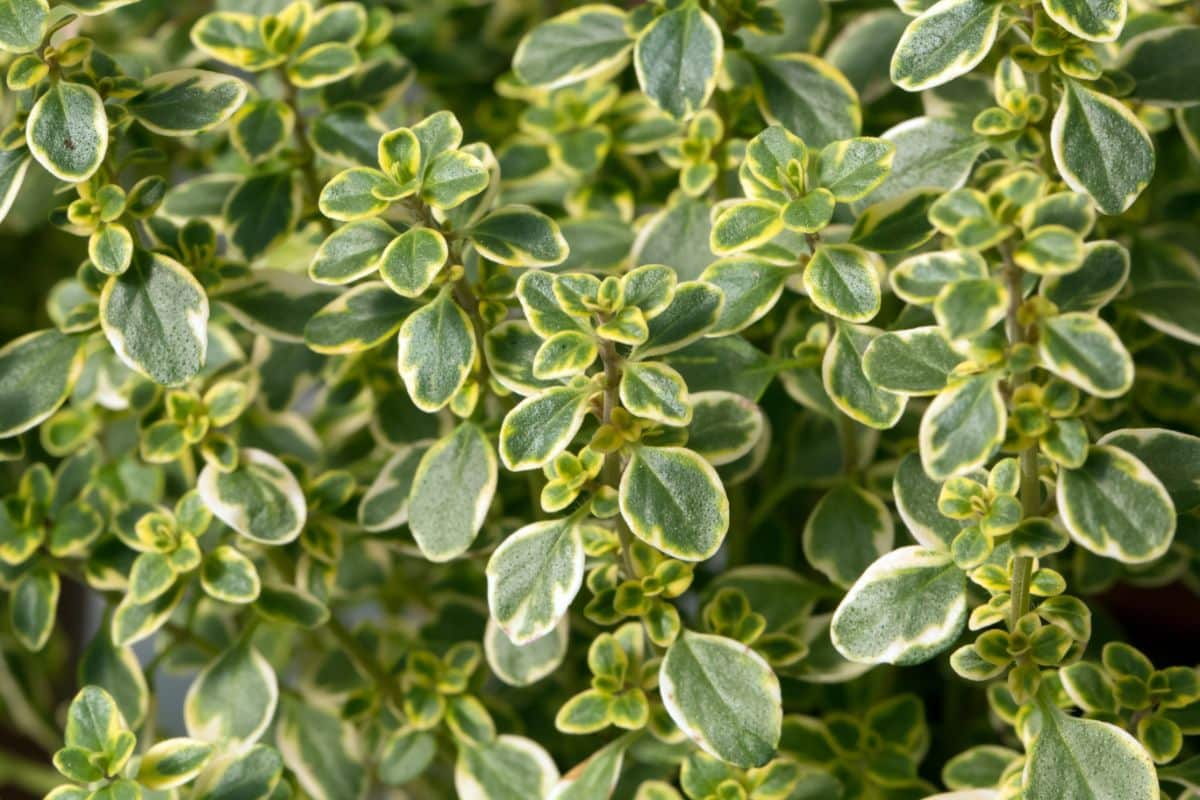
{"x":695,"y":307}
{"x":673,"y":499}
{"x":519,"y":236}
{"x":656,"y":392}
{"x":967,"y":308}
{"x":351,"y":252}
{"x":851,"y":169}
{"x":724,"y":696}
{"x":847,"y":384}
{"x":173,"y":762}
{"x":533,"y":577}
{"x":452,"y":490}
{"x":906,"y":608}
{"x":743,"y":225}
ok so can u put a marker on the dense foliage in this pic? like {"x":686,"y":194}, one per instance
{"x":518,"y":399}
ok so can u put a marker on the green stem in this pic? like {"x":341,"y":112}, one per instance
{"x":611,"y":473}
{"x":1030,"y":491}
{"x":387,"y":683}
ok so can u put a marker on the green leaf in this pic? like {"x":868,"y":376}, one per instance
{"x":853,"y":168}
{"x":173,"y":762}
{"x":564,"y":355}
{"x":351,"y":252}
{"x":357,"y":320}
{"x":452,"y":178}
{"x":1161,"y":62}
{"x":385,"y":504}
{"x":1100,"y":148}
{"x":810,"y":213}
{"x":348,"y":134}
{"x":261,"y":128}
{"x":229,"y":576}
{"x":1172,"y":456}
{"x":963,"y":426}
{"x":185,"y":102}
{"x":525,"y":664}
{"x":1098,"y":279}
{"x":406,"y":754}
{"x":151,"y":576}
{"x":533,"y":577}
{"x":509,"y":348}
{"x":116,"y":670}
{"x":132,"y":622}
{"x":677,"y":59}
{"x":808,"y":96}
{"x":275,"y":303}
{"x":155,"y":316}
{"x":233,"y":699}
{"x":519,"y":236}
{"x":1168,"y":307}
{"x":843,"y":280}
{"x":437,"y":350}
{"x":724,"y":696}
{"x":260,"y":498}
{"x":695,"y":307}
{"x":751,"y":287}
{"x":917,"y":504}
{"x":286,"y":605}
{"x":1094,"y":20}
{"x":1084,"y":350}
{"x":1114,"y":506}
{"x":745,"y":224}
{"x":37,"y":372}
{"x":1083,"y":758}
{"x":263,"y":211}
{"x":452,"y":490}
{"x":917,"y":361}
{"x":1049,"y":250}
{"x":596,"y":777}
{"x":323,"y":751}
{"x":920,"y":279}
{"x":13,"y":166}
{"x":847,"y":385}
{"x":32,"y":607}
{"x":906,"y":608}
{"x":22,"y":24}
{"x":323,"y":64}
{"x":674,"y":500}
{"x":654,"y":391}
{"x":93,"y":720}
{"x":571,"y":47}
{"x":725,"y":426}
{"x":234,"y":38}
{"x":541,"y":426}
{"x":358,"y":193}
{"x":948,"y":40}
{"x":252,"y":775}
{"x":847,"y":530}
{"x":968,"y":307}
{"x":67,"y":131}
{"x":507,"y":768}
{"x":111,"y":249}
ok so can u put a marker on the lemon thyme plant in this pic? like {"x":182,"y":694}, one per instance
{"x":528,"y":400}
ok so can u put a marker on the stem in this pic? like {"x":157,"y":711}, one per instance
{"x":1030,"y":491}
{"x":29,"y":776}
{"x":611,"y":473}
{"x":308,"y":158}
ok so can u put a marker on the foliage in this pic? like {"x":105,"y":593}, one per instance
{"x":520,"y":399}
